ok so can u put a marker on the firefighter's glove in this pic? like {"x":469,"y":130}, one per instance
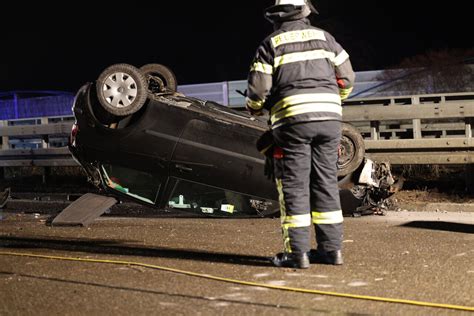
{"x":344,"y":93}
{"x":254,"y":112}
{"x":254,"y":107}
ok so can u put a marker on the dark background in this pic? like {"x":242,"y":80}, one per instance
{"x":61,"y":46}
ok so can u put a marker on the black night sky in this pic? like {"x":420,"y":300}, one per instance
{"x":60,"y":48}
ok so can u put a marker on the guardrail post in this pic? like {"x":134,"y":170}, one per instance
{"x":416,"y":128}
{"x":374,"y":130}
{"x":5,"y":140}
{"x":469,"y":168}
{"x":45,"y":140}
{"x":468,"y":121}
{"x":416,"y":122}
{"x":45,"y":144}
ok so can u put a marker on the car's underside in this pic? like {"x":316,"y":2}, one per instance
{"x":139,"y":139}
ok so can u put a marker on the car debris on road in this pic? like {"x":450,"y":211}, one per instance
{"x":370,"y":195}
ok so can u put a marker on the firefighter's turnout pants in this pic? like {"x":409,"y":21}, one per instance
{"x":306,"y":179}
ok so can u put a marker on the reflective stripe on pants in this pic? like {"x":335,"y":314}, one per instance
{"x":306,"y":179}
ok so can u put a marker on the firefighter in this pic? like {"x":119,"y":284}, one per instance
{"x":300,"y":74}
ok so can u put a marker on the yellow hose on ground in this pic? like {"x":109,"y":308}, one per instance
{"x":276,"y":287}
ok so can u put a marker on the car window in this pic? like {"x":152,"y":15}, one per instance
{"x":206,"y":200}
{"x":135,"y":183}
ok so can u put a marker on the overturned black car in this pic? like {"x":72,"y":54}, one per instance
{"x":139,"y":139}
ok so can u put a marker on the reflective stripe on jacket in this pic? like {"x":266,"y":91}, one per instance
{"x":297,"y":74}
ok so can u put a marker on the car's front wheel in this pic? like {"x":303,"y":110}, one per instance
{"x":121,"y":89}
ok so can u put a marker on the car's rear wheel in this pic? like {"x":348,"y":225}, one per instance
{"x":351,"y":150}
{"x":159,"y":78}
{"x":121,"y":89}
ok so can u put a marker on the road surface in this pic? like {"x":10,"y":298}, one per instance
{"x":423,"y":256}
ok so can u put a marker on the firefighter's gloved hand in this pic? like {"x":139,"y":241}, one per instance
{"x":254,"y":107}
{"x":254,"y":112}
{"x":344,"y":93}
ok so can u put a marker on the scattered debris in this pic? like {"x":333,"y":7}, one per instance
{"x":370,"y":195}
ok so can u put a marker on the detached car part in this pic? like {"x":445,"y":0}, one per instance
{"x":370,"y":195}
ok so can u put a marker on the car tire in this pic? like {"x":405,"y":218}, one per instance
{"x":121,"y":89}
{"x":352,"y":150}
{"x":159,"y":78}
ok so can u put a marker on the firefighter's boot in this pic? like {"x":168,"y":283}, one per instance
{"x":327,"y":257}
{"x":291,"y":260}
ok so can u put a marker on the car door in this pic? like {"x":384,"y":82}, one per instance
{"x":140,"y":167}
{"x":220,"y":152}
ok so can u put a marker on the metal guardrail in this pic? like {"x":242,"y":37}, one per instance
{"x":42,"y":157}
{"x":31,"y":130}
{"x":419,"y":129}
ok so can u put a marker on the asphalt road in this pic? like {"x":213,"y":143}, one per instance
{"x":423,"y":256}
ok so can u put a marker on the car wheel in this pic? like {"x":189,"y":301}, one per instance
{"x":159,"y":78}
{"x":351,"y":150}
{"x":121,"y":89}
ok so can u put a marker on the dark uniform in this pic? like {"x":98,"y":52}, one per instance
{"x":300,"y":74}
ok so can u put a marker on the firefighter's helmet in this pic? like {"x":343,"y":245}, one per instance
{"x":293,"y":2}
{"x":297,"y":3}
